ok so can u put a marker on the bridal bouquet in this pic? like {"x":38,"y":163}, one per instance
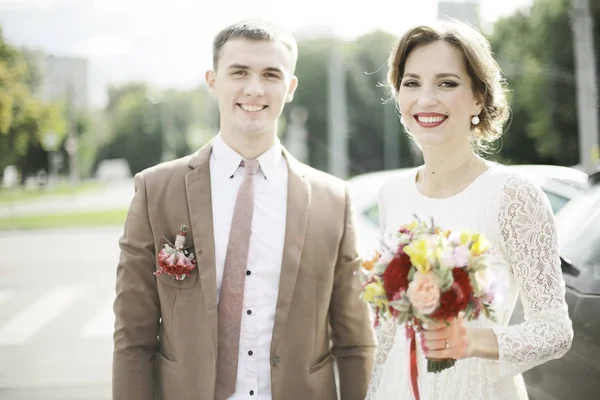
{"x":429,"y":275}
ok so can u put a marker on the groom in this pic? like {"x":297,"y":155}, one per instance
{"x":273,"y":302}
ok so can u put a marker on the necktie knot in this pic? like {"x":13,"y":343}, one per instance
{"x":251,"y":166}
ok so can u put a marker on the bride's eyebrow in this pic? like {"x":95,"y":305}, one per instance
{"x":439,"y":76}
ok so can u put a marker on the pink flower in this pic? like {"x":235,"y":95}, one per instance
{"x":183,"y":261}
{"x":424,"y":293}
{"x":163,"y":255}
{"x":170,"y":259}
{"x":165,"y":258}
{"x":455,"y":257}
{"x":461,"y":256}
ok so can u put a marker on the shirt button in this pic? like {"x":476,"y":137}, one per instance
{"x":248,"y":272}
{"x":250,"y":353}
{"x":252,"y":393}
{"x":249,"y":312}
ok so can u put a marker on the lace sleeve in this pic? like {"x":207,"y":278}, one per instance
{"x":386,"y":332}
{"x":529,"y":240}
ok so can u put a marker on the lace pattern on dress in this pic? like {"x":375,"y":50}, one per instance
{"x":529,"y":240}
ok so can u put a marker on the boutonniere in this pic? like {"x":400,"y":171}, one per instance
{"x":174,"y":259}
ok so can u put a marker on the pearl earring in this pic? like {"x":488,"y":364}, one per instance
{"x":475,"y":120}
{"x":402,"y":120}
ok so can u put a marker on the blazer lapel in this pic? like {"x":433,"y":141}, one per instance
{"x":199,"y":199}
{"x":298,"y":203}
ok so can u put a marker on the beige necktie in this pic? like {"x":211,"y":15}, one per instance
{"x":232,"y":288}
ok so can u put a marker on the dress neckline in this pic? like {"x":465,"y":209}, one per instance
{"x":490,"y":166}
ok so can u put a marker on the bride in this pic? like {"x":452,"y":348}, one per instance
{"x":450,"y":95}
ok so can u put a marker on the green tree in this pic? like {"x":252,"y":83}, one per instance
{"x":365,"y":69}
{"x":147,"y":127}
{"x":24,"y":119}
{"x":535,"y":50}
{"x":135,"y":127}
{"x":311,"y":94}
{"x":372,"y":110}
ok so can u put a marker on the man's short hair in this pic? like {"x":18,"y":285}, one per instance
{"x":254,"y":30}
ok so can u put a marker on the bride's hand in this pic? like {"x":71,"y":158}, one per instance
{"x":445,"y":340}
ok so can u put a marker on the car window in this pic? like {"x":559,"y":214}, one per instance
{"x":556,"y":201}
{"x":578,"y":232}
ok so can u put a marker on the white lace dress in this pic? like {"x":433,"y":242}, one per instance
{"x":516,"y":217}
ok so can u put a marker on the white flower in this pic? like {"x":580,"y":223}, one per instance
{"x":454,"y":257}
{"x":454,"y":238}
{"x":461,"y":256}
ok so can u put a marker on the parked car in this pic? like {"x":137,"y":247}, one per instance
{"x":575,"y":376}
{"x":559,"y":183}
{"x":594,"y":176}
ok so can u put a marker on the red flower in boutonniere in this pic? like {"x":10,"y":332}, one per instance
{"x":175,"y":260}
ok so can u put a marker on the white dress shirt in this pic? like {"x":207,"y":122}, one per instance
{"x":264,"y":256}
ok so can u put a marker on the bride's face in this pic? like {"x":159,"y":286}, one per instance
{"x":436,"y":98}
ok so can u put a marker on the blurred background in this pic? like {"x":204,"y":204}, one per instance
{"x":92,"y":92}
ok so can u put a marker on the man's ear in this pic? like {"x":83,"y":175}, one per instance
{"x":210,"y":76}
{"x":292,"y":89}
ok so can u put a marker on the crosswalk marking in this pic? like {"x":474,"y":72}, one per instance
{"x":19,"y":329}
{"x":103,"y":323}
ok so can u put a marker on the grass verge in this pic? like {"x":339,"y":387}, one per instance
{"x":70,"y":220}
{"x":19,"y":194}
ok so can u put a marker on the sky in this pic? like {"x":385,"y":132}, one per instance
{"x":168,"y":42}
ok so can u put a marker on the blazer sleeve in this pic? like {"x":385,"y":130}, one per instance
{"x":136,"y":307}
{"x":352,"y":334}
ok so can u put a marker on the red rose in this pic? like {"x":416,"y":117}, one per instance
{"x":456,"y":298}
{"x":395,"y":276}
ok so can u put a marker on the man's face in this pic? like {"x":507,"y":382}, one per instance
{"x":252,"y":83}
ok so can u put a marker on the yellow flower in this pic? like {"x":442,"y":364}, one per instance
{"x":368,"y":265}
{"x":419,"y":253}
{"x":412,"y":225}
{"x":374,"y":293}
{"x":480,"y":245}
{"x":465,"y":237}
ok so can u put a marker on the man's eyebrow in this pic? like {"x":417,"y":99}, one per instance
{"x":238,"y":66}
{"x":246,"y":67}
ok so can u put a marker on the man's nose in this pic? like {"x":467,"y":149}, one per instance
{"x":254,"y":87}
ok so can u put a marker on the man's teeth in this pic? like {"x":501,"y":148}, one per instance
{"x":430,"y":120}
{"x":251,"y":108}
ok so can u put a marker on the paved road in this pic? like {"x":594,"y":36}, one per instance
{"x":56,"y":321}
{"x":114,"y":195}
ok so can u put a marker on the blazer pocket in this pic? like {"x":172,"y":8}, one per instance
{"x":162,"y":361}
{"x":168,"y":378}
{"x":328,"y":359}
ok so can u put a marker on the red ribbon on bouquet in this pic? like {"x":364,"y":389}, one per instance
{"x":414,"y":372}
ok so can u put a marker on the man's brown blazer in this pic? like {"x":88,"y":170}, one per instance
{"x":165,"y":338}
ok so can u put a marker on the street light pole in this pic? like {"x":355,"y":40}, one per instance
{"x":587,"y":97}
{"x":72,"y":145}
{"x":337,"y":112}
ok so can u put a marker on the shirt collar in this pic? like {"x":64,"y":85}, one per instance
{"x":228,"y":160}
